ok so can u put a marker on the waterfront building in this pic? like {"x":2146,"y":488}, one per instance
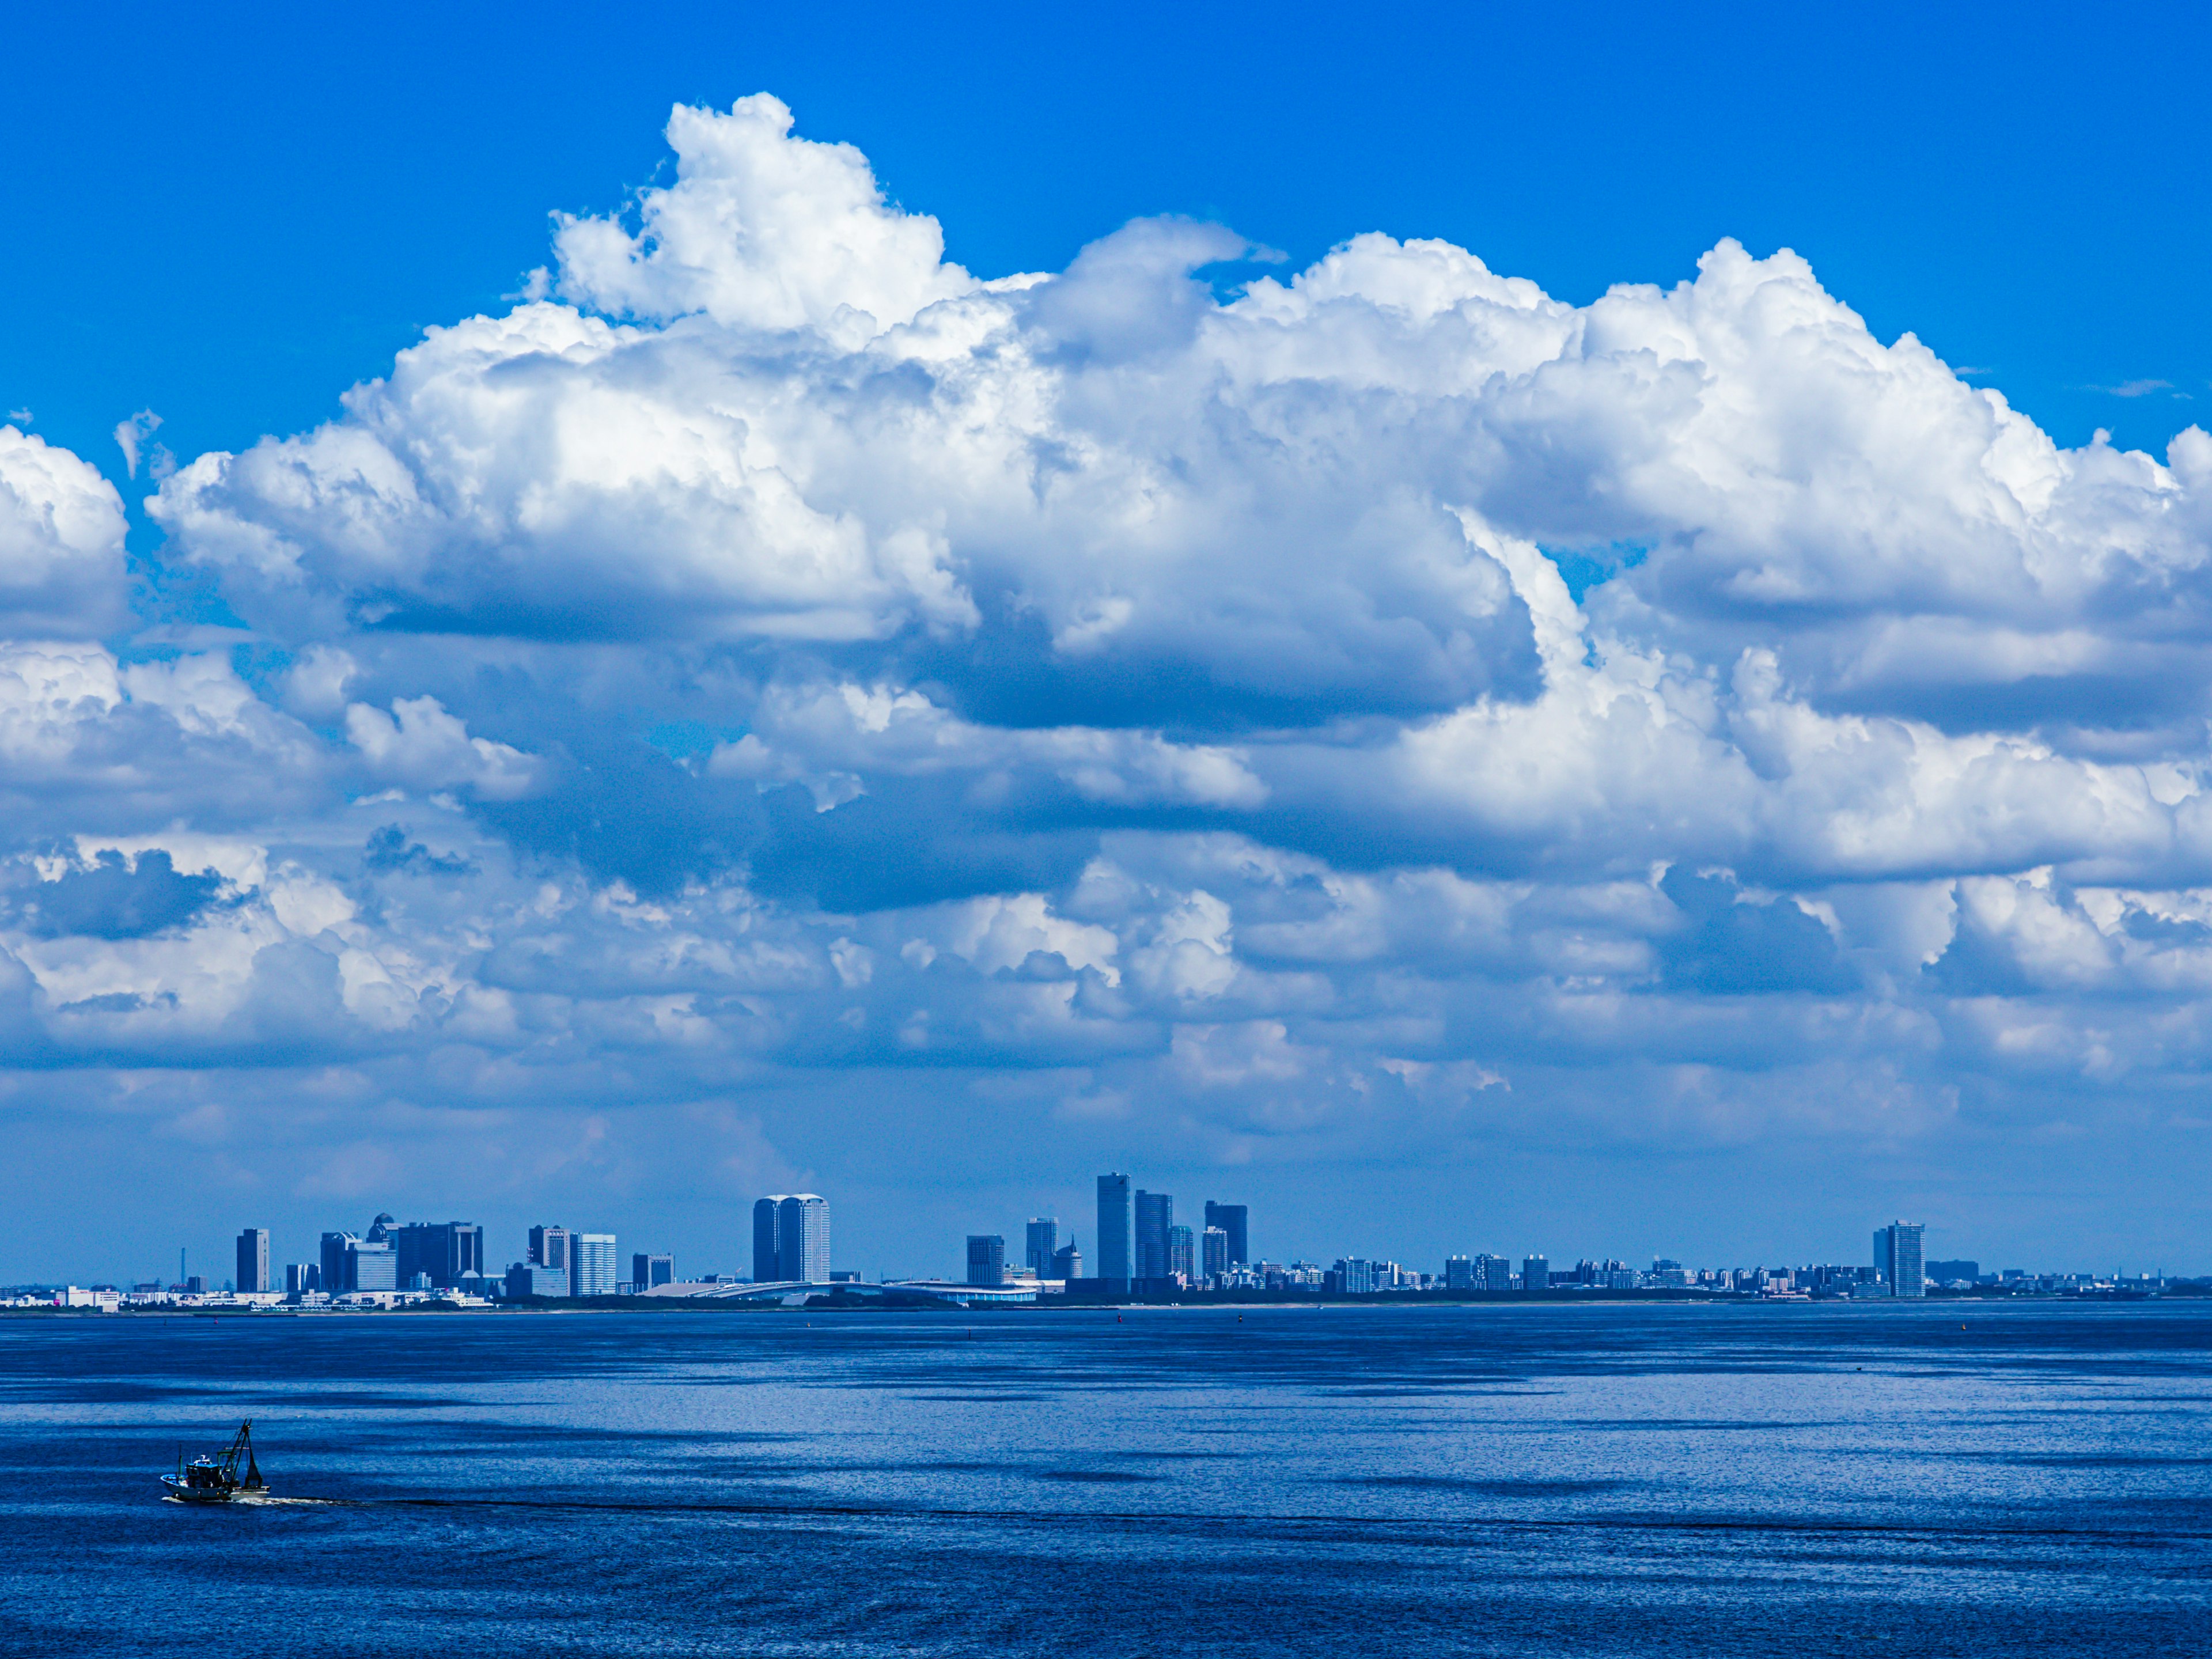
{"x":360,"y":1264}
{"x":803,"y":1237}
{"x":986,"y":1259}
{"x":647,"y":1271}
{"x":1155,"y":1215}
{"x":1230,"y":1219}
{"x":300,"y":1278}
{"x":441,"y":1252}
{"x":1897,"y":1258}
{"x":548,"y":1247}
{"x":1354,"y":1276}
{"x":768,"y":1240}
{"x":535,"y":1279}
{"x":1535,"y":1273}
{"x":1043,"y":1240}
{"x":1181,"y":1255}
{"x":1066,"y":1262}
{"x":1114,"y":1263}
{"x":591,"y":1264}
{"x":1214,"y":1252}
{"x":253,"y":1261}
{"x":1459,"y":1273}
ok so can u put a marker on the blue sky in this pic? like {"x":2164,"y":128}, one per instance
{"x":1160,"y":609}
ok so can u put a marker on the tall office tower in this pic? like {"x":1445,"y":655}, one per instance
{"x":802,"y":1237}
{"x":1155,"y":1215}
{"x":253,"y":1261}
{"x":1229,"y":1218}
{"x":1459,"y":1273}
{"x":300,"y":1277}
{"x":593,"y":1271}
{"x":1214,"y":1252}
{"x":1066,"y":1262}
{"x":768,"y":1240}
{"x":1897,"y":1257}
{"x":1535,"y":1273}
{"x":548,"y":1247}
{"x":1043,"y":1241}
{"x":372,"y":1264}
{"x":441,"y":1251}
{"x":986,"y":1259}
{"x":1493,"y":1272}
{"x":1114,"y":1263}
{"x":1355,"y":1276}
{"x":333,"y":1263}
{"x":1182,"y":1254}
{"x":647,"y":1271}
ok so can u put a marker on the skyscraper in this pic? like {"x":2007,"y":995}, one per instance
{"x":1181,"y":1255}
{"x":253,"y":1261}
{"x":1897,"y":1258}
{"x":593,"y":1272}
{"x":548,"y":1247}
{"x":1493,"y":1272}
{"x":802,"y":1237}
{"x":1459,"y":1273}
{"x":442,"y":1251}
{"x":1230,"y":1218}
{"x":1214,"y":1252}
{"x":986,"y":1259}
{"x":1155,"y":1215}
{"x":1535,"y":1273}
{"x":1113,"y":1230}
{"x":768,"y":1240}
{"x":1043,"y":1240}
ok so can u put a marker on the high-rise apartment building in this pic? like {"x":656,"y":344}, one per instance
{"x":1897,"y":1258}
{"x":647,"y":1271}
{"x":986,"y":1259}
{"x":803,"y":1237}
{"x":1459,"y":1273}
{"x":1214,"y":1252}
{"x":791,"y":1239}
{"x":1182,"y":1254}
{"x":1155,"y":1215}
{"x":593,"y":1272}
{"x":253,"y":1261}
{"x":768,"y":1240}
{"x":1113,"y":1253}
{"x":1535,"y":1273}
{"x":1355,"y":1276}
{"x":1043,"y":1240}
{"x":1230,"y":1219}
{"x":1493,"y":1272}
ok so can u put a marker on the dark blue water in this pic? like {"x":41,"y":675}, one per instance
{"x":1609,"y":1479}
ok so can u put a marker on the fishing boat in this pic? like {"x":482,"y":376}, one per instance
{"x":216,"y":1480}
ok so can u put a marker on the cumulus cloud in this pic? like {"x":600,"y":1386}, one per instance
{"x":1300,"y":710}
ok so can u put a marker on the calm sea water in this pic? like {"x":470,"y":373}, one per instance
{"x":1596,"y":1481}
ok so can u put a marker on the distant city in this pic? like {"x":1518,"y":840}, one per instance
{"x":1141,"y":1254}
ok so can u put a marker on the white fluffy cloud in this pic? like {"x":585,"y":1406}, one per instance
{"x":1323,"y":704}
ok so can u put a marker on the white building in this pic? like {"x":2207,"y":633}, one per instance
{"x":593,"y":1258}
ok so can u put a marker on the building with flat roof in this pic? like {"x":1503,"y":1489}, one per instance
{"x":1230,"y":1219}
{"x":253,"y":1261}
{"x":1155,"y":1215}
{"x":647,"y":1271}
{"x":1214,"y":1252}
{"x":1113,"y":1253}
{"x":1535,"y":1273}
{"x":1043,"y":1241}
{"x":1182,"y":1254}
{"x":986,"y":1259}
{"x":591,"y":1270}
{"x":1897,"y":1258}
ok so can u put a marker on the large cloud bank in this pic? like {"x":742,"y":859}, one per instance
{"x":1273,"y":715}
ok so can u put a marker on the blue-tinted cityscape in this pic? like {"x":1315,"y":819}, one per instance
{"x":1140,"y":1253}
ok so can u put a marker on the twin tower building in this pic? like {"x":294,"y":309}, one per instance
{"x":791,"y":1239}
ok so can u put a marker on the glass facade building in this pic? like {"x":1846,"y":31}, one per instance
{"x":986,"y":1259}
{"x":1897,"y":1258}
{"x":1155,"y":1216}
{"x":1114,"y":1263}
{"x":1230,"y":1219}
{"x":1042,"y":1242}
{"x":253,"y":1261}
